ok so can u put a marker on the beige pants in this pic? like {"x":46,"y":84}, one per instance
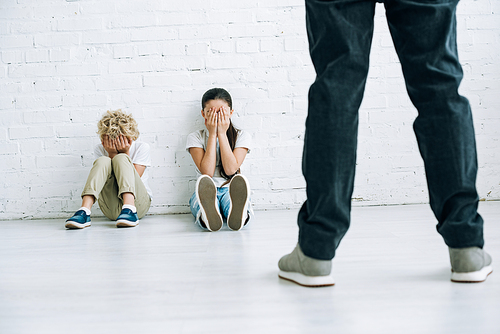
{"x":109,"y":179}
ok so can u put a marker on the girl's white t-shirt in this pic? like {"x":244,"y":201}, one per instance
{"x":200,"y":139}
{"x":139,"y":154}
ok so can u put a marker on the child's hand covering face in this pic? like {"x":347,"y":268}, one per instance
{"x":223,"y":120}
{"x":108,"y":145}
{"x":217,"y":116}
{"x":211,"y":121}
{"x":120,"y":144}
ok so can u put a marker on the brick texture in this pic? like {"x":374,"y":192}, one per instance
{"x":63,"y":64}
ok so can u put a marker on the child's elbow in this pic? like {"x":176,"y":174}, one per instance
{"x":230,"y":171}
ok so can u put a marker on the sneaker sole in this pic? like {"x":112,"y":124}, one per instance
{"x":207,"y":197}
{"x":473,"y":277}
{"x":76,"y":226}
{"x":307,"y":281}
{"x":238,"y":196}
{"x":126,"y":223}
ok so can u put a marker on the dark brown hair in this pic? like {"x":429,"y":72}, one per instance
{"x":232,"y":132}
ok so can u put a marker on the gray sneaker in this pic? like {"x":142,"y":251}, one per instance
{"x":469,"y":265}
{"x":304,"y":270}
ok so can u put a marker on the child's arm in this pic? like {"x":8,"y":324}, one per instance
{"x":206,"y":160}
{"x":140,"y":169}
{"x":231,"y":160}
{"x":123,"y":145}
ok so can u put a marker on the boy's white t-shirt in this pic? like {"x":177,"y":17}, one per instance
{"x":200,"y":139}
{"x":139,"y":154}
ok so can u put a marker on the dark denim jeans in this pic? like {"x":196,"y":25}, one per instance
{"x":424,"y":34}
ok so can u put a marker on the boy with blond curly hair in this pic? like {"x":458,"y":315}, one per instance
{"x":118,"y":179}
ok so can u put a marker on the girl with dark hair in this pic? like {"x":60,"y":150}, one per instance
{"x":218,"y":151}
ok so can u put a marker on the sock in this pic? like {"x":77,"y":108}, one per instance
{"x":87,"y":211}
{"x":128,"y":206}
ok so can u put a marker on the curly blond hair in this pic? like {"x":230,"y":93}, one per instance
{"x":115,"y":123}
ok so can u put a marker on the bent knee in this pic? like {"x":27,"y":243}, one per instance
{"x":121,"y":157}
{"x":103,"y":161}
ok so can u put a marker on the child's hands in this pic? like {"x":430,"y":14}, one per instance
{"x":109,"y":145}
{"x":211,"y":121}
{"x":223,"y":120}
{"x":123,"y":144}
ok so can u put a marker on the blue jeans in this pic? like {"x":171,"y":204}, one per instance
{"x":424,"y":34}
{"x":223,"y":202}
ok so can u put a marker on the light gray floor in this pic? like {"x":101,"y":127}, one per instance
{"x":166,"y":276}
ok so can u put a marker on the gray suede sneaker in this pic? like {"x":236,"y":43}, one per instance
{"x":304,"y":270}
{"x":469,"y":265}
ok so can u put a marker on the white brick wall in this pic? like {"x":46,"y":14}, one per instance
{"x":64,"y":63}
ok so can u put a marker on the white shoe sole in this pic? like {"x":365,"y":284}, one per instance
{"x":72,"y":225}
{"x":206,"y":194}
{"x":472,"y":277}
{"x":308,"y":281}
{"x":239,"y":191}
{"x":126,"y":223}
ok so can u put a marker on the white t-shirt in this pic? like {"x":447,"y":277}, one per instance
{"x":200,"y":139}
{"x":139,"y":154}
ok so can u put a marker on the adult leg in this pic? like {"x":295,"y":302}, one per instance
{"x":424,"y":34}
{"x":340,"y":35}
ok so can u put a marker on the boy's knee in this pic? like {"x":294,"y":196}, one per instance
{"x":103,"y":161}
{"x":121,"y":157}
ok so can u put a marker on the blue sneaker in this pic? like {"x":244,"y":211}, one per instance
{"x":79,"y":220}
{"x":127,"y":218}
